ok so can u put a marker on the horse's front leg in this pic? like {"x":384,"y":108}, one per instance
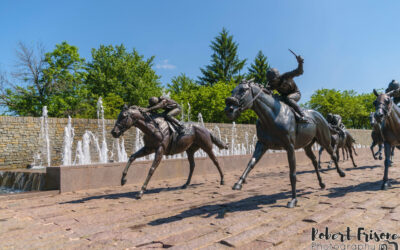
{"x":157,"y":159}
{"x":388,"y":150}
{"x":292,"y":175}
{"x":372,"y":150}
{"x":258,"y":153}
{"x":380,"y":151}
{"x":138,"y":154}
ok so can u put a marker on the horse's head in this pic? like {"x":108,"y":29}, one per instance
{"x":126,"y":119}
{"x":240,"y":100}
{"x":383,"y":105}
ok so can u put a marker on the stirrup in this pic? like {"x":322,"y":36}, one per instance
{"x":302,"y":119}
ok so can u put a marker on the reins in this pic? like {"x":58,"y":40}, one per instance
{"x":252,"y":101}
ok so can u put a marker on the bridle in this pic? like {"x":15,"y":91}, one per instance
{"x":128,"y":116}
{"x":241,"y":105}
{"x":386,"y":108}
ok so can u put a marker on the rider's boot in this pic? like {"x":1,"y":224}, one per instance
{"x":301,"y":116}
{"x":177,"y":124}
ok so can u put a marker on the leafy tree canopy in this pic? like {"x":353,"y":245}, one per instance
{"x":225,"y":63}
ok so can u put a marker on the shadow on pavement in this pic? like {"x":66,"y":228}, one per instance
{"x":220,"y":210}
{"x":131,"y":195}
{"x":362,"y":187}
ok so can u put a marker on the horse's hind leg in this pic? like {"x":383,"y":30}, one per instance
{"x":258,"y":153}
{"x":319,"y":156}
{"x":157,"y":159}
{"x":190,"y":153}
{"x":313,"y":159}
{"x":334,"y":158}
{"x":214,"y":159}
{"x":140,"y":153}
{"x":351,"y":155}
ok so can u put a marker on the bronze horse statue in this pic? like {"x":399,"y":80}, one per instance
{"x":387,"y":115}
{"x":337,"y":142}
{"x":159,"y":138}
{"x":377,"y":139}
{"x":277,"y":129}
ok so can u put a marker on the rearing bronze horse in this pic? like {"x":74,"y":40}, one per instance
{"x":387,"y":115}
{"x":277,"y":129}
{"x":158,"y":138}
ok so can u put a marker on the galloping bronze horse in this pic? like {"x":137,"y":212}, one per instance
{"x":277,"y":129}
{"x":387,"y":115}
{"x":337,"y":142}
{"x":159,"y":138}
{"x":376,"y":137}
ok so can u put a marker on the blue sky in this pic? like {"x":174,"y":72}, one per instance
{"x":345,"y":44}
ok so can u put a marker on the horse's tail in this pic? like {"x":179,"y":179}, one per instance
{"x":218,"y":142}
{"x":351,"y":142}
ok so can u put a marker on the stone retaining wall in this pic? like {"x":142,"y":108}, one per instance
{"x":19,"y":137}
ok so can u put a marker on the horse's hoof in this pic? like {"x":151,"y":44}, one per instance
{"x":123,"y":181}
{"x":380,"y":158}
{"x":322,"y":185}
{"x":139,"y":195}
{"x":237,"y":186}
{"x":355,"y":165}
{"x":184,"y":186}
{"x":222,"y":183}
{"x":292,"y":203}
{"x":342,"y":174}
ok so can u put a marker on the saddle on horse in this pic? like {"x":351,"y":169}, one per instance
{"x":165,"y":127}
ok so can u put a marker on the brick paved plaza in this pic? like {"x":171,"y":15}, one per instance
{"x":207,"y":215}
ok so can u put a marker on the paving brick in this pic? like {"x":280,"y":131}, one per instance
{"x":205,"y":216}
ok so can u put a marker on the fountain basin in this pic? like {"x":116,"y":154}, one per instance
{"x":22,"y":180}
{"x":73,"y":178}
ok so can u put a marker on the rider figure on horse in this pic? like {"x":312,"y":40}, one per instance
{"x":287,"y":88}
{"x":335,"y":122}
{"x":171,"y":109}
{"x":394,"y":85}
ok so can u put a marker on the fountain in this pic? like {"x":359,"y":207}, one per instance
{"x":200,"y":119}
{"x":44,"y":142}
{"x":100,"y":119}
{"x":188,"y":113}
{"x":68,"y":140}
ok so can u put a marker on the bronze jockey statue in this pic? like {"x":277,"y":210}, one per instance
{"x":170,"y":107}
{"x":287,"y":88}
{"x":335,"y":121}
{"x":394,"y":85}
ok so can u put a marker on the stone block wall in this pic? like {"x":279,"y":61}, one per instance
{"x":20,"y":138}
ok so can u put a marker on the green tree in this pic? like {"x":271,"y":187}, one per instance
{"x":181,"y":83}
{"x":209,"y":100}
{"x":354,"y":108}
{"x":44,"y":79}
{"x":225,"y":63}
{"x":23,"y":91}
{"x":258,"y":69}
{"x":64,"y":73}
{"x":113,"y":71}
